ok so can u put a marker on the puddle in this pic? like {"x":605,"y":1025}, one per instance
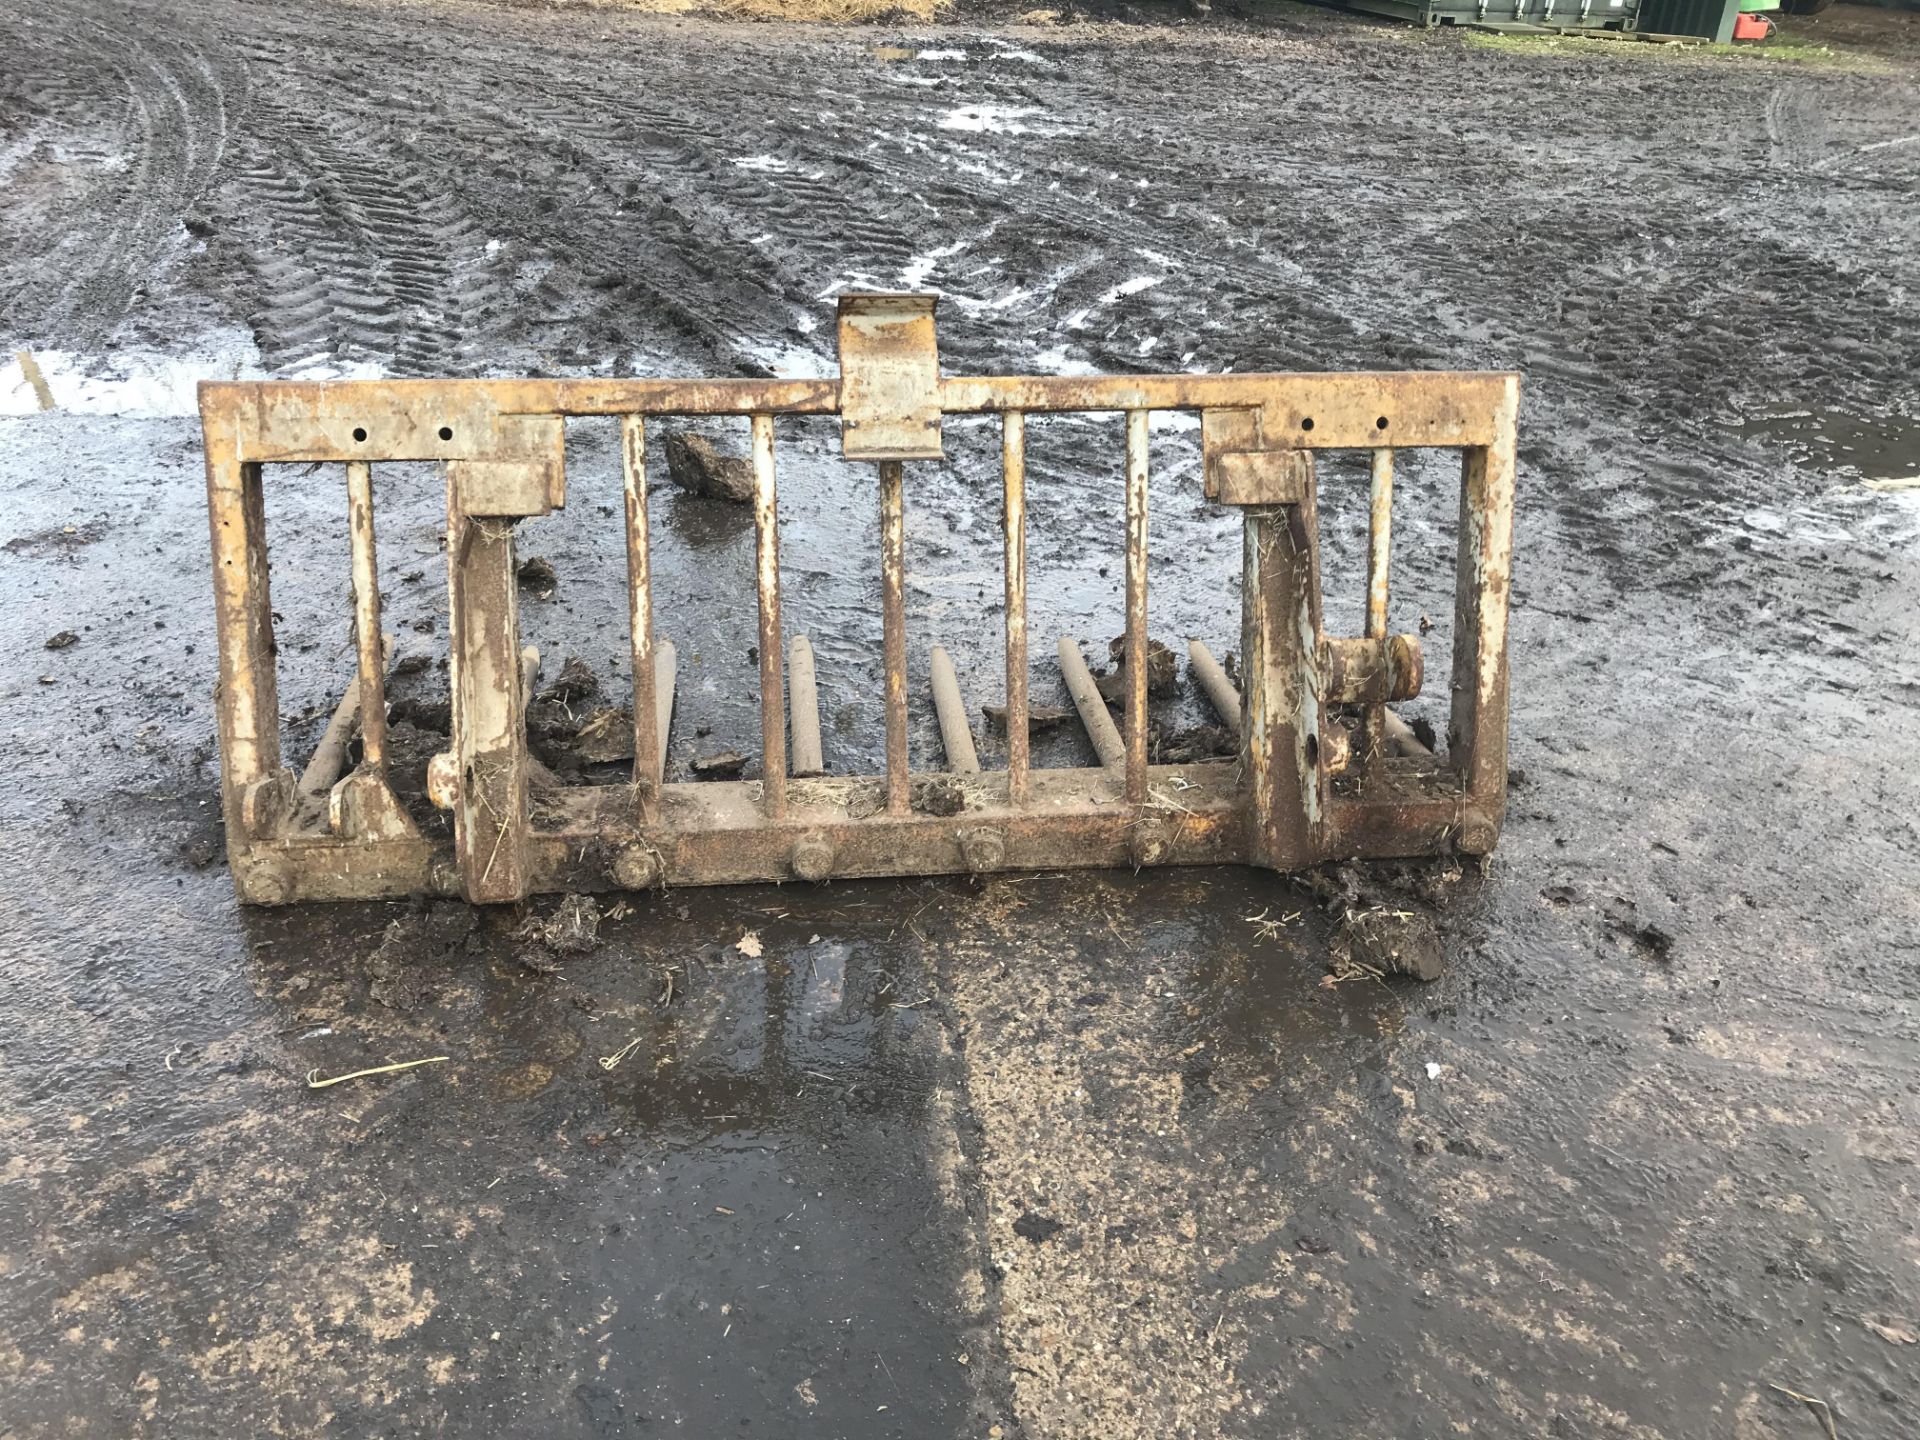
{"x":1869,"y":447}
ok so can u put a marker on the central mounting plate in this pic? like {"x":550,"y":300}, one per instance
{"x":889,"y":378}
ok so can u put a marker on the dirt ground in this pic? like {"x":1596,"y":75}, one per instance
{"x":1049,"y":1156}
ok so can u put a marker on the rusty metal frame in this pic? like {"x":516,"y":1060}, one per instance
{"x":1308,"y":787}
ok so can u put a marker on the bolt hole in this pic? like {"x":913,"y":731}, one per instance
{"x":1307,"y":424}
{"x":446,"y":432}
{"x":360,"y":433}
{"x":1381,"y":423}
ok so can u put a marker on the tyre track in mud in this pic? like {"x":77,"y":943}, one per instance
{"x":1080,"y":195}
{"x":392,"y":206}
{"x":147,"y":125}
{"x":356,"y":253}
{"x":658,"y":233}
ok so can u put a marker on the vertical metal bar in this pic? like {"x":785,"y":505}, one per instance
{"x":893,"y":602}
{"x":773,"y":706}
{"x":366,"y":616}
{"x":489,"y":713}
{"x":1379,"y":564}
{"x":1013,"y":465}
{"x":248,"y":702}
{"x":1136,"y":641}
{"x":646,"y":727}
{"x":1477,"y":728}
{"x":1379,"y":543}
{"x":1280,"y":741}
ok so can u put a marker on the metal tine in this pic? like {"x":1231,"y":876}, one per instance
{"x":330,"y":755}
{"x":1400,"y":738}
{"x":1221,"y":692}
{"x":955,"y":735}
{"x":366,"y":617}
{"x":773,"y":710}
{"x":893,"y":565}
{"x":1136,"y":641}
{"x":529,"y":674}
{"x":803,"y":707}
{"x":665,"y":669}
{"x":1013,"y":520}
{"x":1093,"y":710}
{"x":329,"y":759}
{"x":1379,"y":557}
{"x":648,"y":742}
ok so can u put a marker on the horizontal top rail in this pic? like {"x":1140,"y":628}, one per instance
{"x":1313,"y":411}
{"x":454,"y":419}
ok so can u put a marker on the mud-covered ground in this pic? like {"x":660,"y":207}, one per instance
{"x":1047,"y":1156}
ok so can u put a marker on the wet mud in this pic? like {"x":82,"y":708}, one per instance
{"x":1062,"y":1155}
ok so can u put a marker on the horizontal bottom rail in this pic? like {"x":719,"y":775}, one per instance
{"x":716,"y":833}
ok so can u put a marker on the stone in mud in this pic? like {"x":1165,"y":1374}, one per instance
{"x":536,"y":577}
{"x":206,"y":844}
{"x":727,"y":765}
{"x":1162,"y":677}
{"x":1395,"y":942}
{"x":1037,"y":1228}
{"x":605,"y":736}
{"x":64,"y":640}
{"x":576,"y":681}
{"x":698,"y":468}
